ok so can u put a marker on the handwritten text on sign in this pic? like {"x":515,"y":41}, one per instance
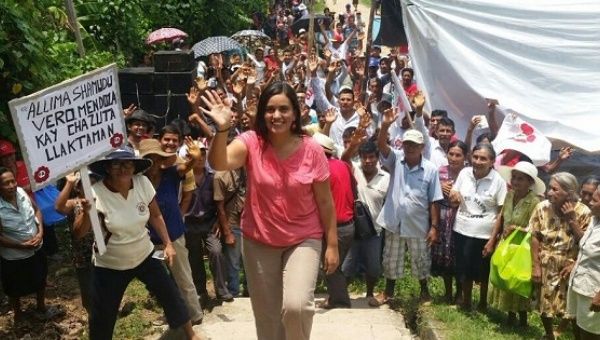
{"x":69,"y":125}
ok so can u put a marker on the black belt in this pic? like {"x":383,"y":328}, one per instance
{"x":345,"y":224}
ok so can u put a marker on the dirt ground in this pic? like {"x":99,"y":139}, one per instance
{"x":63,"y":292}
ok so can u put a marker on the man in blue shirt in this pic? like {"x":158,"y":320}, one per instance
{"x":410,"y":214}
{"x":166,"y":179}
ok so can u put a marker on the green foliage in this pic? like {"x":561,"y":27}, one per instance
{"x":38,"y":49}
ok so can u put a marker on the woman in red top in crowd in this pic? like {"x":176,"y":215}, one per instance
{"x":288,"y":210}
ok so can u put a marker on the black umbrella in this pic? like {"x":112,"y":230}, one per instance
{"x":305,"y":20}
{"x":215,"y":45}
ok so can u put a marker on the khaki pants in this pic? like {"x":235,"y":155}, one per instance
{"x":182,"y":273}
{"x":282,"y":284}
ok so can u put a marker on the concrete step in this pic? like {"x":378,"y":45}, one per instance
{"x":235,"y":321}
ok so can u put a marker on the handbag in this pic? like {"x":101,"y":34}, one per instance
{"x":363,"y":222}
{"x":511,"y":264}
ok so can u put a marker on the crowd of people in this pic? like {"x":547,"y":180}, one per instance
{"x":263,"y":179}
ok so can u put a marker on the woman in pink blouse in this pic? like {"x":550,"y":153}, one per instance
{"x":288,"y":210}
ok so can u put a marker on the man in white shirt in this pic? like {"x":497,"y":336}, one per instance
{"x":346,"y":115}
{"x":371,"y":184}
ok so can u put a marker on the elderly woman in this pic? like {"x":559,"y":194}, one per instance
{"x":583,"y":298}
{"x":126,"y":203}
{"x":557,"y":224}
{"x":24,"y":266}
{"x":479,"y":193}
{"x":518,"y":206}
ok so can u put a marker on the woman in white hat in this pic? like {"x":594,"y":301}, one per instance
{"x":518,"y":206}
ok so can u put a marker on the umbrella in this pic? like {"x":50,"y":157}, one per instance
{"x":165,"y":34}
{"x":212,"y":45}
{"x":251,"y":38}
{"x":303,"y":22}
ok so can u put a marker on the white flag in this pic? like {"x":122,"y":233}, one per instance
{"x":519,"y":135}
{"x":403,"y":102}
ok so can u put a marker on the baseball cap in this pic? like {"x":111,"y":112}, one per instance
{"x":373,"y":62}
{"x":414,"y":136}
{"x":6,"y":148}
{"x":301,"y":31}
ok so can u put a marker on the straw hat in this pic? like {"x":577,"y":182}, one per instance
{"x":528,"y":169}
{"x":325,"y":142}
{"x":152,"y":146}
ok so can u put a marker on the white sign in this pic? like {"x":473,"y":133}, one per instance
{"x":69,"y":125}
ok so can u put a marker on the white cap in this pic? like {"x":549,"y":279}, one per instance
{"x":414,"y":136}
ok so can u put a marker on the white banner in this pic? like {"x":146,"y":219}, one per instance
{"x":539,"y":58}
{"x":69,"y":125}
{"x":517,"y":134}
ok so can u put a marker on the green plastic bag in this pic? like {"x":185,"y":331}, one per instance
{"x":511,"y":264}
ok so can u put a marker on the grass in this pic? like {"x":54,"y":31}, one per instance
{"x":452,"y":323}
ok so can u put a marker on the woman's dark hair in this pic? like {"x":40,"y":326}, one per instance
{"x":461,"y":145}
{"x":273,"y":89}
{"x":488,"y":148}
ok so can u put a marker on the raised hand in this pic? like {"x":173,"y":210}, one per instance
{"x":129,"y":110}
{"x":73,"y":177}
{"x":491,"y":104}
{"x":201,"y":83}
{"x":313,"y":64}
{"x":389,"y":116}
{"x":360,"y":69}
{"x":418,"y":101}
{"x":238,"y":87}
{"x":332,"y":66}
{"x":330,"y":115}
{"x":193,"y":97}
{"x":219,"y":110}
{"x":474,"y":122}
{"x":193,"y":151}
{"x":358,"y":137}
{"x":565,"y":153}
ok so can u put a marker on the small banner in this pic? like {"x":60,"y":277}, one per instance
{"x":519,"y":135}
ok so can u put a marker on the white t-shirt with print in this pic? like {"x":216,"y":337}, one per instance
{"x":481,"y":202}
{"x":125,"y":218}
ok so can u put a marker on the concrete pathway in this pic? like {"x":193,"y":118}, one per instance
{"x":235,"y":321}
